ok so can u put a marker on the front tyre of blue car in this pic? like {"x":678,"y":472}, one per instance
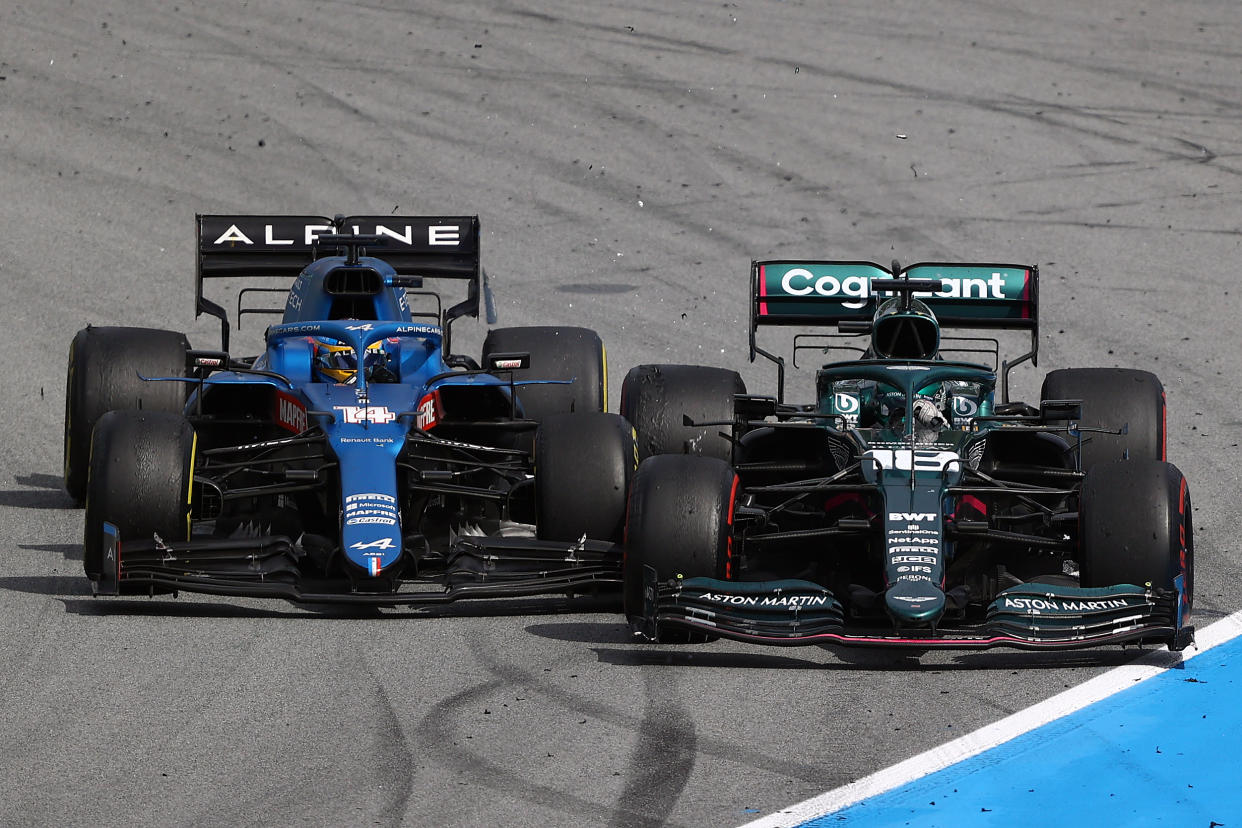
{"x":141,"y":469}
{"x":583,"y":467}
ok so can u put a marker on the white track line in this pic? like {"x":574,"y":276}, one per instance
{"x":997,"y":733}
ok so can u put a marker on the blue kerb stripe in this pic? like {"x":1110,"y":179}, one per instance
{"x":1165,"y":752}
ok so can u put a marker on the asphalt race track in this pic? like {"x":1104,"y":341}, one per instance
{"x":627,"y":162}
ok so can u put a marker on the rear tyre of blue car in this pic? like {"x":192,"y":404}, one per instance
{"x":583,"y":467}
{"x":680,"y":523}
{"x":103,"y":375}
{"x":574,"y":357}
{"x":1113,"y":398}
{"x":141,"y":469}
{"x":657,"y":398}
{"x":1136,"y":526}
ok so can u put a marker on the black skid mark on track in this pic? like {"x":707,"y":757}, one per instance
{"x":394,"y":760}
{"x":660,"y":763}
{"x":436,"y":733}
{"x":365,"y":777}
{"x":331,"y":168}
{"x":715,"y":748}
{"x":1087,"y":122}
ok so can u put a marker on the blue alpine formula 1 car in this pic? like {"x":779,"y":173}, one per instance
{"x":905,"y":506}
{"x":357,"y":459}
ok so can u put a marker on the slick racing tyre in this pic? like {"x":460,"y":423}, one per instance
{"x":573,"y":357}
{"x":104,"y":369}
{"x":583,"y":467}
{"x":1136,"y":526}
{"x":680,"y":523}
{"x":1113,"y":398}
{"x":655,"y":398}
{"x":142,"y":465}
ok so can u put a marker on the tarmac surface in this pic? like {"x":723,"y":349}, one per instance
{"x":627,"y":162}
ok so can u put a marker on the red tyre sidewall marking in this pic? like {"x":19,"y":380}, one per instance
{"x":728,"y":573}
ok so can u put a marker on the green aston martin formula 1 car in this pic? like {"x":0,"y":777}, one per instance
{"x":911,"y":503}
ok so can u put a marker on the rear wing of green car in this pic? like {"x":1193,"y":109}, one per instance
{"x":839,"y":293}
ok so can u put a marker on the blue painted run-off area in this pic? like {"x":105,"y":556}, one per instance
{"x":1165,"y":752}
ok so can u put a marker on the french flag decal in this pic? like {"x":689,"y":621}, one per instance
{"x":375,"y":565}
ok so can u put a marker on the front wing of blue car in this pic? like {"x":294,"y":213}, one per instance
{"x":273,"y":567}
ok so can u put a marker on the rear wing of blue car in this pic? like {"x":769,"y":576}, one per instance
{"x":840,"y":294}
{"x":270,"y":247}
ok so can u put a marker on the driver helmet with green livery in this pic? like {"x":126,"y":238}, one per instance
{"x":904,"y":329}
